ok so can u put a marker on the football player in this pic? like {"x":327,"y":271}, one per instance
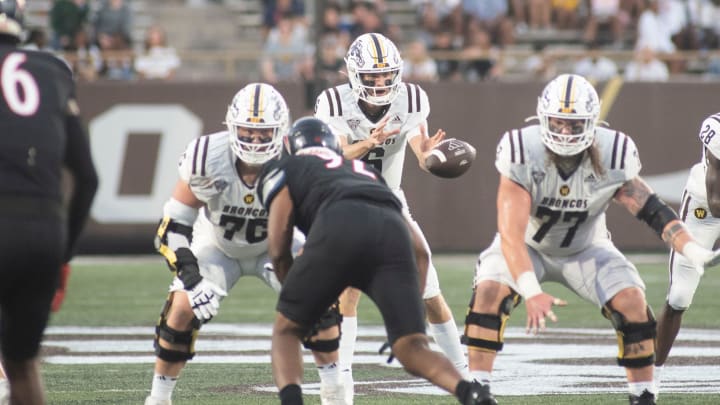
{"x":41,"y":135}
{"x":375,"y":116}
{"x":700,"y":210}
{"x":314,"y":188}
{"x":556,"y":182}
{"x":214,"y":231}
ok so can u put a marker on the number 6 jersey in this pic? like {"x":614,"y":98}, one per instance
{"x":338,"y":107}
{"x":567,"y":213}
{"x":233,"y":215}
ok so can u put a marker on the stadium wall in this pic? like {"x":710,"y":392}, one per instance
{"x":139,"y":130}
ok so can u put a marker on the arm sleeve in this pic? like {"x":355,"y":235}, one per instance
{"x":78,"y":161}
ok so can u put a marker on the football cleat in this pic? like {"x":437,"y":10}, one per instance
{"x":647,"y":398}
{"x":153,"y":401}
{"x":480,"y":395}
{"x":4,"y":391}
{"x":333,"y":394}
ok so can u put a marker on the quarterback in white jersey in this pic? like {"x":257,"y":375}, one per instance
{"x":214,"y":229}
{"x":556,"y":182}
{"x":700,"y":210}
{"x":376,"y":116}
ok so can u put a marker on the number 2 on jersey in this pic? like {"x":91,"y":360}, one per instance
{"x":551,"y":217}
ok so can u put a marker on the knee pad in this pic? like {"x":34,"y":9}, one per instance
{"x":170,"y":335}
{"x":329,"y":319}
{"x":633,"y":332}
{"x":495,"y":322}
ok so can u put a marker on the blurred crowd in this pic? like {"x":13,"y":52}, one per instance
{"x":470,"y":40}
{"x":452,"y":40}
{"x":95,"y":38}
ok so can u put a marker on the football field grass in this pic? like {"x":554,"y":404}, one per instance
{"x":124,"y":295}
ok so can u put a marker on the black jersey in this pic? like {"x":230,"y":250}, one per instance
{"x":317,"y":177}
{"x":40,"y":133}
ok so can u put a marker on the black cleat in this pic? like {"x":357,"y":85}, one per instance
{"x":479,"y":395}
{"x":647,"y":398}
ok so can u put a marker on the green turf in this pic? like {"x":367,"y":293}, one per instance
{"x":131,"y":294}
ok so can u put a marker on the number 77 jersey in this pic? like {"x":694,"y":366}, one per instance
{"x":567,"y":212}
{"x":338,"y":107}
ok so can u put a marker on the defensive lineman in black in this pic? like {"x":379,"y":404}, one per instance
{"x":356,"y":236}
{"x":40,"y":133}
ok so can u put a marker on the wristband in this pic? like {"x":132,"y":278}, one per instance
{"x":528,"y":285}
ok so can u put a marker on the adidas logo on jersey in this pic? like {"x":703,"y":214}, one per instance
{"x":590,"y":179}
{"x":396,"y":120}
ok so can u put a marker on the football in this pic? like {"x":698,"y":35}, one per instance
{"x":450,"y":158}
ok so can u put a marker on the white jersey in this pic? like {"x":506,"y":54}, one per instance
{"x":232,"y":214}
{"x":710,"y":139}
{"x":338,"y":107}
{"x":567,"y":214}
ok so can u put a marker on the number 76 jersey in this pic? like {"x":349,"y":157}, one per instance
{"x":338,"y":107}
{"x":233,"y":218}
{"x":567,"y":213}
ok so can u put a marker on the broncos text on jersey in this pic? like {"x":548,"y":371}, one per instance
{"x":567,"y":213}
{"x":338,"y":107}
{"x":233,"y":216}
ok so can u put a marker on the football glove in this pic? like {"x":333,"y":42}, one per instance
{"x":700,"y":257}
{"x":204,"y":295}
{"x":61,"y":288}
{"x":205,"y":299}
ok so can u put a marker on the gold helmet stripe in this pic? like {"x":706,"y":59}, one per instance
{"x":378,"y":52}
{"x":255,"y":102}
{"x":568,"y":100}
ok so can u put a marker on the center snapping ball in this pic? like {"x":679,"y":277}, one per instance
{"x":450,"y":158}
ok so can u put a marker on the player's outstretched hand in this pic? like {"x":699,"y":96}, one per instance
{"x":378,"y":135}
{"x":430,"y":142}
{"x":205,"y":299}
{"x":538,"y":308}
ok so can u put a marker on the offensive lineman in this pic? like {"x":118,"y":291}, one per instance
{"x":214,"y":230}
{"x":556,"y":182}
{"x":314,"y":188}
{"x":375,"y":117}
{"x":700,"y":210}
{"x":42,"y":133}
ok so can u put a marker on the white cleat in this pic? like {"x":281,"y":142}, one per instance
{"x":154,"y":401}
{"x":333,"y":395}
{"x":349,"y":386}
{"x":4,"y":392}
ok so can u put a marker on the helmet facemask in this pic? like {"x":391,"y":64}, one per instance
{"x":258,"y":113}
{"x":370,"y":56}
{"x":568,"y":111}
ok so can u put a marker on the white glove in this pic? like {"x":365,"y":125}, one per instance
{"x":205,"y":299}
{"x":700,"y":257}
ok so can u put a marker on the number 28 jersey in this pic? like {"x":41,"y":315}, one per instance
{"x":338,"y":107}
{"x":233,"y":216}
{"x":710,"y":139}
{"x":567,"y":213}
